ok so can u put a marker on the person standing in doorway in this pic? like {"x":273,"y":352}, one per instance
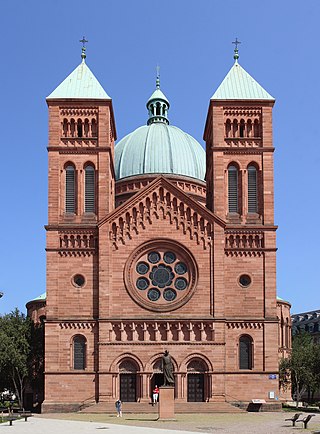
{"x":119,"y":407}
{"x":155,"y":395}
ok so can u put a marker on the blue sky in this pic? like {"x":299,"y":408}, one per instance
{"x":192,"y":43}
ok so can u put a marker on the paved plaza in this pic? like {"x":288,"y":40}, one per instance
{"x":246,"y":423}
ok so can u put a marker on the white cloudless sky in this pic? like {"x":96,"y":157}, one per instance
{"x":192,"y":43}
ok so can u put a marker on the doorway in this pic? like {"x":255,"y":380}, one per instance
{"x":195,"y":387}
{"x":128,"y":387}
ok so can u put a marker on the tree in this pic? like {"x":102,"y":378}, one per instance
{"x":15,"y":334}
{"x":301,"y":369}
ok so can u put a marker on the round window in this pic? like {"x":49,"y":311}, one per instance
{"x":142,"y":267}
{"x":245,"y":280}
{"x":78,"y":280}
{"x":161,"y":275}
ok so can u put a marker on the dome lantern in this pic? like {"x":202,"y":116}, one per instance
{"x":158,"y":105}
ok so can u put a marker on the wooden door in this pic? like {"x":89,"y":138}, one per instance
{"x":195,"y":387}
{"x":128,"y":387}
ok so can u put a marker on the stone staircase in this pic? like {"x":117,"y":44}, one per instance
{"x":180,"y":407}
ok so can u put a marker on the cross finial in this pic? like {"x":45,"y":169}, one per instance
{"x":158,"y":77}
{"x":83,"y":53}
{"x":236,"y":43}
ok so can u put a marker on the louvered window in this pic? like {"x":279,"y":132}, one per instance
{"x":245,"y":352}
{"x":70,"y":190}
{"x":79,"y":352}
{"x":89,"y":205}
{"x":252,"y":190}
{"x":233,"y":189}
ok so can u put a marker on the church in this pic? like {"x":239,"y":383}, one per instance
{"x":157,"y":244}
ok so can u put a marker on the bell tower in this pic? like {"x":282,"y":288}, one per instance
{"x":239,"y":150}
{"x":81,"y":192}
{"x":81,"y":189}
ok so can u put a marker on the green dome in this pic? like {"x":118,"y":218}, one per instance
{"x":159,"y":148}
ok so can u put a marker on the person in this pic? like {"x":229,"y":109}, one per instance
{"x":167,"y":369}
{"x":155,"y":395}
{"x":119,"y":407}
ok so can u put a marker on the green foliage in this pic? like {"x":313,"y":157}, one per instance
{"x":15,"y":335}
{"x":302,"y":369}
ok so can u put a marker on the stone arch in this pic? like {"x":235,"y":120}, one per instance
{"x":115,"y":364}
{"x":198,"y":383}
{"x":195,"y":356}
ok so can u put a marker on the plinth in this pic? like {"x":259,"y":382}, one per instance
{"x":166,"y":402}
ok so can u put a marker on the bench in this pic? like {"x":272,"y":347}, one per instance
{"x":294,"y":418}
{"x":305,"y":420}
{"x":10,"y":419}
{"x":25,"y":414}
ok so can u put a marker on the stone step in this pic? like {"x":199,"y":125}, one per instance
{"x":180,"y":407}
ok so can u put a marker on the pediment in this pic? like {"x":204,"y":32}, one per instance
{"x":161,"y":200}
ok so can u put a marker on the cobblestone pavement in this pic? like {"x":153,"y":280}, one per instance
{"x":246,"y":423}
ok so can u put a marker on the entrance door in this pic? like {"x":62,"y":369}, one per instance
{"x":195,"y":387}
{"x":128,"y":387}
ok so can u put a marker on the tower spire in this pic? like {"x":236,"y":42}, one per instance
{"x":158,"y":77}
{"x":83,"y":52}
{"x":236,"y":51}
{"x":158,"y":104}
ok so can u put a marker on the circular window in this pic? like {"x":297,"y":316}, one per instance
{"x":154,"y":294}
{"x":245,"y":280}
{"x":161,"y":275}
{"x":142,"y":267}
{"x":169,"y":294}
{"x":181,"y":283}
{"x":78,"y":280}
{"x":169,"y":257}
{"x":142,"y":283}
{"x":180,"y":268}
{"x":153,"y":257}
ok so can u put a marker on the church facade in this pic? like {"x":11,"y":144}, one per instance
{"x":157,"y":244}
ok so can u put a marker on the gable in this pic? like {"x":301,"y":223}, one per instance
{"x":161,"y":200}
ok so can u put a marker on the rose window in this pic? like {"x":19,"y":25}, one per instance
{"x":161,"y":278}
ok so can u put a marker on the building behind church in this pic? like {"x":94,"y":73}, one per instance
{"x":157,"y":244}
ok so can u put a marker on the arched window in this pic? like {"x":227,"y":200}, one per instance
{"x":72,"y":127}
{"x":79,"y":352}
{"x":252,"y":190}
{"x":79,"y":128}
{"x":235,"y":128}
{"x":65,"y":127}
{"x":228,"y":128}
{"x":256,"y":128}
{"x":70,"y":190}
{"x":233,"y":206}
{"x":89,"y":203}
{"x":249,"y":128}
{"x":86,"y":127}
{"x":245,"y":352}
{"x":242,"y":128}
{"x":94,"y":131}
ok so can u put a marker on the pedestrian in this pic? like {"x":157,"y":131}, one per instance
{"x":155,"y":395}
{"x":119,"y":407}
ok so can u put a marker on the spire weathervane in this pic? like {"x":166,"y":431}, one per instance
{"x":83,"y":53}
{"x":236,"y":51}
{"x":158,"y":77}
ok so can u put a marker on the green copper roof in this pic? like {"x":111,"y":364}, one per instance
{"x":41,"y":297}
{"x":80,"y":84}
{"x":159,"y":148}
{"x":158,"y":94}
{"x":238,"y":84}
